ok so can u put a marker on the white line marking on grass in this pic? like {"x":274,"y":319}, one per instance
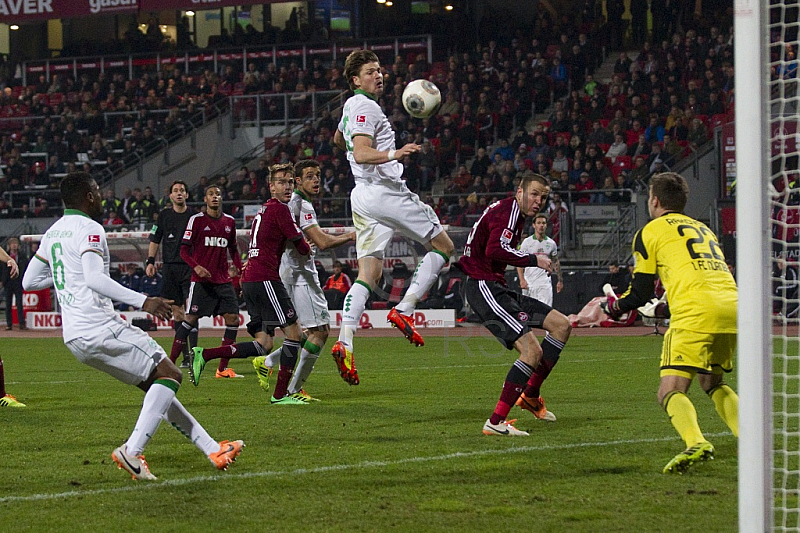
{"x":141,"y":486}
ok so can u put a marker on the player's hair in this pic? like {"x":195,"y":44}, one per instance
{"x":540,"y":215}
{"x":74,"y":188}
{"x":214,"y":186}
{"x":671,"y":190}
{"x":280,"y":167}
{"x":354,"y":62}
{"x":178,"y":182}
{"x":531,"y":177}
{"x":304,"y":164}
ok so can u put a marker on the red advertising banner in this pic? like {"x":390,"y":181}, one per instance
{"x":21,"y":10}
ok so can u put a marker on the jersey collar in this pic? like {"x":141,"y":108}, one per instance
{"x":365,"y":93}
{"x":75,"y":212}
{"x":302,"y":195}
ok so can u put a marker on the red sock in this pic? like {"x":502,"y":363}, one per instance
{"x":282,"y":382}
{"x":220,"y":351}
{"x":537,"y":378}
{"x":178,"y":345}
{"x":2,"y":380}
{"x":508,"y":398}
{"x":223,"y":363}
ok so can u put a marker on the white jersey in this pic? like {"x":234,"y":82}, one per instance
{"x":83,"y":311}
{"x":297,"y":269}
{"x":363,"y":116}
{"x":547,"y":247}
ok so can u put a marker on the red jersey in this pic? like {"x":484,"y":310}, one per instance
{"x":207,"y":242}
{"x":272,"y":227}
{"x":492,"y":243}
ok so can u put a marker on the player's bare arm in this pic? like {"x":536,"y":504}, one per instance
{"x":338,"y":140}
{"x":365,"y":154}
{"x":323,"y":240}
{"x":544,"y":263}
{"x":10,"y":263}
{"x":557,"y":269}
{"x":521,"y":274}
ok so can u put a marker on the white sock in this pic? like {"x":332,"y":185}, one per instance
{"x":305,"y":365}
{"x":183,"y":421}
{"x":156,"y":402}
{"x":273,"y":358}
{"x":426,"y":274}
{"x":354,"y":304}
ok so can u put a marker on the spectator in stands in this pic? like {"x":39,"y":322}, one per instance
{"x":698,"y":134}
{"x":151,"y":285}
{"x":641,"y":148}
{"x":141,"y":210}
{"x":584,"y":185}
{"x":113,"y":219}
{"x":618,"y":148}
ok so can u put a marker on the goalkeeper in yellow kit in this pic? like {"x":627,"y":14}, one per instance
{"x":701,"y":340}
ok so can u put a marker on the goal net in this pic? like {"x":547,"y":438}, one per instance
{"x":768,"y":226}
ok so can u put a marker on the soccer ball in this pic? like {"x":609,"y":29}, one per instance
{"x":421,"y":98}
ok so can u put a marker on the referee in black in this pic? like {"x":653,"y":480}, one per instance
{"x":171,"y":224}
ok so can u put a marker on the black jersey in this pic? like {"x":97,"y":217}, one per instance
{"x":169,"y":229}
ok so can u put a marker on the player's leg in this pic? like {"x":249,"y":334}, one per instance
{"x":290,"y":349}
{"x":558,"y":331}
{"x":427,"y":272}
{"x":308,"y":357}
{"x":221,"y":454}
{"x":417,"y":220}
{"x":228,"y":339}
{"x":312,"y":313}
{"x":726,"y":401}
{"x":131,"y":356}
{"x":681,"y":358}
{"x":6,"y":400}
{"x":182,"y":332}
{"x":490,"y":301}
{"x":370,"y":269}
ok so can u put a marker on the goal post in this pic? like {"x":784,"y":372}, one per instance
{"x":768,"y":225}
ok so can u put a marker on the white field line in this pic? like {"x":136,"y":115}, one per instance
{"x":143,"y":486}
{"x":382,"y":370}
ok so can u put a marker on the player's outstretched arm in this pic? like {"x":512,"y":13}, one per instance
{"x":101,"y":283}
{"x":323,"y":241}
{"x":365,"y":154}
{"x":158,"y":307}
{"x":37,"y":275}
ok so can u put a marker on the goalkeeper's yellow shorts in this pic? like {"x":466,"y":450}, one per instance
{"x":685,"y":353}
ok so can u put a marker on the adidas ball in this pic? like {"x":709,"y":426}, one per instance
{"x":421,"y":98}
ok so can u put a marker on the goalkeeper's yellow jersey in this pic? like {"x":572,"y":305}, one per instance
{"x":687,"y":257}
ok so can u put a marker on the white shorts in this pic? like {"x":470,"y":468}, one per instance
{"x":542,"y":291}
{"x":122,"y":351}
{"x":310,"y":304}
{"x":380,"y":209}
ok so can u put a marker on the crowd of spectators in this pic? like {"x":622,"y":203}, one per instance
{"x":599,"y":141}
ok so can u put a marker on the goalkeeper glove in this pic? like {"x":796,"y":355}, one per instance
{"x":611,"y":307}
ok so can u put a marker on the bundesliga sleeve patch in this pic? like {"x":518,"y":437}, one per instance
{"x":507,"y":235}
{"x":93,"y":242}
{"x":308,"y":216}
{"x":187,"y":234}
{"x":361,"y":119}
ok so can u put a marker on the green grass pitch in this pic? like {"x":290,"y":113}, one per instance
{"x":402,"y":451}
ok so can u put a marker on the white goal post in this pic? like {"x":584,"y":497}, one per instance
{"x":768,"y":224}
